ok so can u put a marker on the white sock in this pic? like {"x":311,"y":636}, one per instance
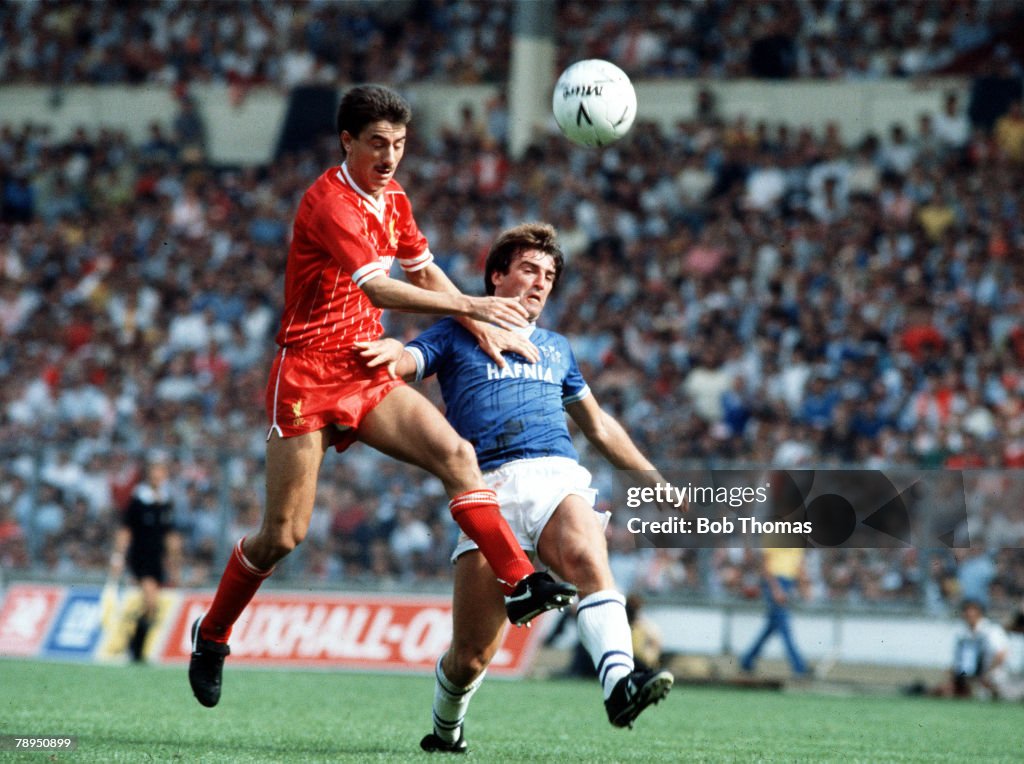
{"x":604,"y":632}
{"x":451,"y":703}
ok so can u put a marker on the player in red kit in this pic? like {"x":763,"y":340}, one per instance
{"x":351,"y":225}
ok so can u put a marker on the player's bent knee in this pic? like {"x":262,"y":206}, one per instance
{"x":582,"y":560}
{"x":272,"y":545}
{"x":462,"y":454}
{"x":284,"y":546}
{"x":288,"y":540}
{"x":470,"y":660}
{"x":588,"y":571}
{"x":457,"y":462}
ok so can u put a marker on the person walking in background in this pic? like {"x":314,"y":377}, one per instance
{"x":148,"y":544}
{"x":782,"y":571}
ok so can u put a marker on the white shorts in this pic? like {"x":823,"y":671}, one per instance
{"x":529,"y":491}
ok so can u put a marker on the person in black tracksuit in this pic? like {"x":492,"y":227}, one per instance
{"x":147,"y":542}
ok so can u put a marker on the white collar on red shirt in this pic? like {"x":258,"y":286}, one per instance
{"x":377,"y":205}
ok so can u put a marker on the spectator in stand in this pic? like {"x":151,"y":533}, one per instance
{"x":1009,"y":133}
{"x":190,"y":131}
{"x":975,"y":573}
{"x":952,"y":128}
{"x":266,"y":42}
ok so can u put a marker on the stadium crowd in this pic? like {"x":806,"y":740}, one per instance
{"x":738,"y":294}
{"x":401,"y":41}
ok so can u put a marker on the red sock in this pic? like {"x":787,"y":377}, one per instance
{"x":479,"y":516}
{"x":237,"y":587}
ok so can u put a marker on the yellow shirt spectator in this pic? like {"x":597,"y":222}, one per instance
{"x":935,"y":217}
{"x":784,"y":562}
{"x":1009,"y":133}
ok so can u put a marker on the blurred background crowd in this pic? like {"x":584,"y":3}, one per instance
{"x":400,"y":41}
{"x":737,"y":293}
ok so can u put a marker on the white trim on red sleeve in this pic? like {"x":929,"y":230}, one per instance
{"x":417,"y":263}
{"x":368,"y":272}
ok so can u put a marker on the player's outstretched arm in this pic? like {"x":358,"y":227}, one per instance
{"x":387,"y":293}
{"x":611,"y":439}
{"x":492,"y":339}
{"x":607,"y":435}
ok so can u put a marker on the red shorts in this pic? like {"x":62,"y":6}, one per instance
{"x":310,"y":390}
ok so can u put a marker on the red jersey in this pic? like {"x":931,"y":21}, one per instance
{"x":343,"y":238}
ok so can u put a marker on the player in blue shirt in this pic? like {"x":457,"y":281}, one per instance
{"x":515,"y":419}
{"x":515,"y":412}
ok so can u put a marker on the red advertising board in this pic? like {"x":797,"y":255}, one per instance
{"x":369,"y":632}
{"x":25,"y":617}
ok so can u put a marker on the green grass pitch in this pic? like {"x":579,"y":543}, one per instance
{"x":138,"y":714}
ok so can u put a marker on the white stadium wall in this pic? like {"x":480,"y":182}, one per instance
{"x":832,"y":636}
{"x":246,"y":132}
{"x":857,"y":107}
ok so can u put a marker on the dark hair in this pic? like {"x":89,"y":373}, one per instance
{"x":971,"y":602}
{"x":514,"y":241}
{"x":364,"y":104}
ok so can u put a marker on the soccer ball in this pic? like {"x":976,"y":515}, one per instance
{"x":594,"y":103}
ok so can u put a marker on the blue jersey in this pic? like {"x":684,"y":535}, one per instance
{"x":513,"y":413}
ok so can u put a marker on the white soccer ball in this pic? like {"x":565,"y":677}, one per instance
{"x":594,"y":103}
